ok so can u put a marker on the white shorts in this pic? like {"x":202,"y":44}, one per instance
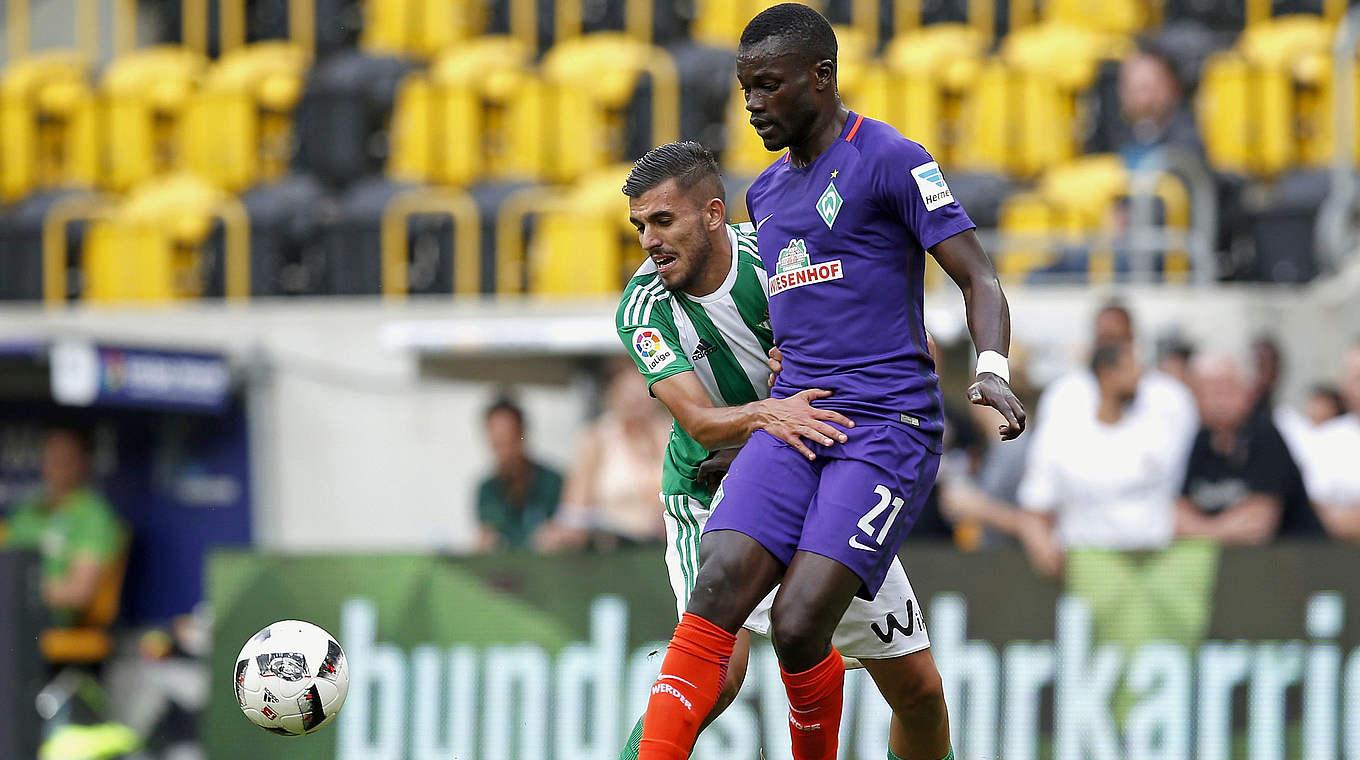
{"x":891,"y":625}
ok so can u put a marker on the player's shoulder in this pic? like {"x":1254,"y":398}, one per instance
{"x":747,"y":248}
{"x":640,"y":296}
{"x":882,"y":144}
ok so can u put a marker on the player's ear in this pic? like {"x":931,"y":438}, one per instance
{"x":823,"y":75}
{"x":715,"y":213}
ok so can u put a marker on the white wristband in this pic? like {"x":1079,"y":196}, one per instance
{"x":991,"y":361}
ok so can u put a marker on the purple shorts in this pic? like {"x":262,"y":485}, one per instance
{"x":855,"y":503}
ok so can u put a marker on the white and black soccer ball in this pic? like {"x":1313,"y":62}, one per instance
{"x":291,"y":678}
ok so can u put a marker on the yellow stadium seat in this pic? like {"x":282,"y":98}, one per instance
{"x":1073,"y":204}
{"x":48,"y":122}
{"x":931,"y":69}
{"x":146,"y":95}
{"x":591,"y":81}
{"x":1316,"y":82}
{"x":1282,"y":40}
{"x":1247,"y":115}
{"x":986,"y":140}
{"x":1120,"y":16}
{"x":239,"y":123}
{"x":477,"y":112}
{"x":151,"y":247}
{"x":719,"y":22}
{"x":584,"y":244}
{"x":1053,"y":65}
{"x":419,"y":28}
{"x":1069,"y":55}
{"x":1022,"y":216}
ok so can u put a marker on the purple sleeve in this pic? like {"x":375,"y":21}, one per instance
{"x":913,"y":186}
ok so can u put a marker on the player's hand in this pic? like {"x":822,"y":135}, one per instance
{"x":712,"y":470}
{"x":991,"y":390}
{"x":775,"y":363}
{"x":794,"y":418}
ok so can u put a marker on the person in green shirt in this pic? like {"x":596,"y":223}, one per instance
{"x":74,"y":529}
{"x":521,"y":496}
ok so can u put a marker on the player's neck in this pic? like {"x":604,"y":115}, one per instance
{"x":715,"y":272}
{"x":823,"y":134}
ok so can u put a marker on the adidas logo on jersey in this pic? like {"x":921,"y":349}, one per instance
{"x":704,"y":348}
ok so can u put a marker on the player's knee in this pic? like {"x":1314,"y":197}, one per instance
{"x":919,"y":691}
{"x":717,"y":594}
{"x":797,"y":632}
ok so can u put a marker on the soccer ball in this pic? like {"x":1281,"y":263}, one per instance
{"x":291,"y":678}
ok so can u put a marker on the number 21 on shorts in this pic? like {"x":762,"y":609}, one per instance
{"x":866,"y":523}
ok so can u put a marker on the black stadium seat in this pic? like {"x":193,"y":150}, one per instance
{"x":286,"y":257}
{"x":21,"y":248}
{"x":343,"y":117}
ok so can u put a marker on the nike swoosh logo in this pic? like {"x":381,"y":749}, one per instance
{"x":762,"y":222}
{"x":855,"y":544}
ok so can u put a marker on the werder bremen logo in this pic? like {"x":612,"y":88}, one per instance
{"x":793,"y":256}
{"x":829,"y":204}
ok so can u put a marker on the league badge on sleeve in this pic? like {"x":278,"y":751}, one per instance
{"x":651,"y":348}
{"x":930,"y":180}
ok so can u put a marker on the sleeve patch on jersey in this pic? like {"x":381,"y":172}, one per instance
{"x":930,"y":180}
{"x":651,"y":348}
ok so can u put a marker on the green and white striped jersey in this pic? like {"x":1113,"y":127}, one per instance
{"x":723,"y":338}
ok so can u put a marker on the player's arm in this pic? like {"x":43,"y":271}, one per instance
{"x":718,"y":427}
{"x":989,"y":321}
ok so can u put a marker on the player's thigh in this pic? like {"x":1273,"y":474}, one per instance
{"x":888,"y":626}
{"x":864,"y":508}
{"x":811,"y":601}
{"x":685,"y":518}
{"x":765,"y":495}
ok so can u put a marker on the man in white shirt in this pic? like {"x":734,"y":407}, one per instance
{"x":1106,"y":479}
{"x":1099,"y":493}
{"x":1331,"y":464}
{"x":1158,"y":395}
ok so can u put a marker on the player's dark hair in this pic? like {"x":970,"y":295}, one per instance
{"x":507,"y":405}
{"x":685,"y":161}
{"x":796,"y":28}
{"x":1107,"y":355}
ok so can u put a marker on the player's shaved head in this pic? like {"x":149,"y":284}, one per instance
{"x":690,"y":164}
{"x":792,"y":29}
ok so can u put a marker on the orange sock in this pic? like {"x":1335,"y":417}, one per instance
{"x":815,"y":698}
{"x":691,"y":677}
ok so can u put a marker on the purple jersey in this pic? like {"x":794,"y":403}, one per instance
{"x":843,"y":241}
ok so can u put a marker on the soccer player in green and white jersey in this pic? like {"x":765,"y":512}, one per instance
{"x":695,"y":319}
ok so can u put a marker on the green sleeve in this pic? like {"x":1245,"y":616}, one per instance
{"x":647,"y":328}
{"x":96,"y":532}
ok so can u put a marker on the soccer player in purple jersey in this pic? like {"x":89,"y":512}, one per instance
{"x":843,"y":220}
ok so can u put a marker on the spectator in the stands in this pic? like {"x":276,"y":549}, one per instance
{"x":1155,"y":113}
{"x":521,"y":495}
{"x":1241,"y":484}
{"x":610,"y":497}
{"x":1269,"y":361}
{"x":1173,"y":357}
{"x":1333,"y":472}
{"x":74,"y":529}
{"x":1324,"y":404}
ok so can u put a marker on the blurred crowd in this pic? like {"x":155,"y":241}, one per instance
{"x":1123,"y":455}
